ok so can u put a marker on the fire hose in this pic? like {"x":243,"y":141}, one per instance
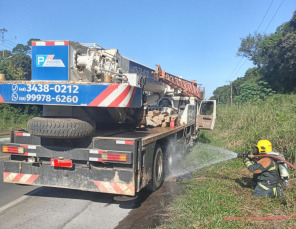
{"x":268,"y":217}
{"x":268,"y":155}
{"x":258,"y":217}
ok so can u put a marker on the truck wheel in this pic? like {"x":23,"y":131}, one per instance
{"x":157,"y":171}
{"x":50,"y":127}
{"x":172,"y":161}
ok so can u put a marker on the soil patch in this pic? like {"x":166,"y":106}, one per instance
{"x":151,"y":209}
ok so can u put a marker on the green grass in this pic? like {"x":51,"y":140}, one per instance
{"x":225,"y":189}
{"x":238,"y":128}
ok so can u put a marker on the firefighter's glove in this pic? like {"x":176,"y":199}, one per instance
{"x":247,"y":161}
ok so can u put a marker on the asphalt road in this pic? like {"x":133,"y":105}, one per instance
{"x":43,"y":207}
{"x":63,"y":208}
{"x":10,"y":192}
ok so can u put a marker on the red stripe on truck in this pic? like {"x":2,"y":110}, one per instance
{"x":32,"y":179}
{"x":129,"y":142}
{"x":49,"y":43}
{"x":120,"y":98}
{"x":1,"y":99}
{"x":5,"y":175}
{"x":17,"y":177}
{"x":96,"y":102}
{"x":132,"y":97}
{"x":22,"y":134}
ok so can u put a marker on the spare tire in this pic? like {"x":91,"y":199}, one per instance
{"x":53,"y":127}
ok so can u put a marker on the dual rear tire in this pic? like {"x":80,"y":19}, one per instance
{"x":157,"y":170}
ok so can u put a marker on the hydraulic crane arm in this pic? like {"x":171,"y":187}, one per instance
{"x":188,"y":88}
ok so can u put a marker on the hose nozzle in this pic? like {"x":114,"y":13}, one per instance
{"x":247,"y":154}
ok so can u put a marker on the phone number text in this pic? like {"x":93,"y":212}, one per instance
{"x":49,"y":98}
{"x":59,"y":88}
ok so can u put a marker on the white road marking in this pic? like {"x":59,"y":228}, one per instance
{"x":19,"y":199}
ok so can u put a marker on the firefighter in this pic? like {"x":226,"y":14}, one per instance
{"x":268,"y":172}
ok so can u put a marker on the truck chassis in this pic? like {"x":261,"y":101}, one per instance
{"x":91,"y":169}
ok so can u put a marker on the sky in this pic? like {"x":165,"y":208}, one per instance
{"x":195,"y":39}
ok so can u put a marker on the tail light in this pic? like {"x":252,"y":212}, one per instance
{"x":61,"y":163}
{"x":114,"y":157}
{"x":13,"y":149}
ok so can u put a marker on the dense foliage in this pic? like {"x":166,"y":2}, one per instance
{"x":18,"y":67}
{"x":274,"y":56}
{"x":239,"y":127}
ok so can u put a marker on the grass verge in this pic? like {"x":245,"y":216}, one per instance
{"x":225,"y":189}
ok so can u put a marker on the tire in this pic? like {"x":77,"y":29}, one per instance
{"x":172,"y":161}
{"x":157,"y":171}
{"x":49,"y":127}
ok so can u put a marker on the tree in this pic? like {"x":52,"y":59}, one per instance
{"x":29,"y":44}
{"x":253,"y":92}
{"x":19,"y":66}
{"x":275,"y":56}
{"x":20,"y":48}
{"x":222,"y":94}
{"x":250,"y":48}
{"x":14,"y":73}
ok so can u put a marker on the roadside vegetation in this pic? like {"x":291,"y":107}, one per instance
{"x":264,"y":108}
{"x":16,"y":65}
{"x":274,"y":71}
{"x":14,"y":117}
{"x":225,"y":189}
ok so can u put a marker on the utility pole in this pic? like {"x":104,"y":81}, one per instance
{"x":230,"y":92}
{"x":3,"y":31}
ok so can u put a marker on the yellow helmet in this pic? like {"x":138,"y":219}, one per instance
{"x":264,"y":146}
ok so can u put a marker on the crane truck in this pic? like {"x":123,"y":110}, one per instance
{"x":106,"y":121}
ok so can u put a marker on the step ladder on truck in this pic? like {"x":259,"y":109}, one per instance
{"x":107,"y":121}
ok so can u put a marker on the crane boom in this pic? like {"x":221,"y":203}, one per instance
{"x":188,"y":88}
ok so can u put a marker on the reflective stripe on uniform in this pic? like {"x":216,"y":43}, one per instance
{"x":248,"y":163}
{"x":263,"y":186}
{"x":272,"y":168}
{"x":275,"y":192}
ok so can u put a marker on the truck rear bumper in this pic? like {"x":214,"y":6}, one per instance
{"x":113,"y":181}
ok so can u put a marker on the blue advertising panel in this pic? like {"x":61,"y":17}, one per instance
{"x":95,"y":95}
{"x":143,"y":71}
{"x":50,"y":62}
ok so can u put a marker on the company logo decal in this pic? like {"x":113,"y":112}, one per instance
{"x":48,"y":61}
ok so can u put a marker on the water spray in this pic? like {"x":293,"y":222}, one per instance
{"x":201,"y":155}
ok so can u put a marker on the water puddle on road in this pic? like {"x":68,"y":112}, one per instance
{"x":151,"y":209}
